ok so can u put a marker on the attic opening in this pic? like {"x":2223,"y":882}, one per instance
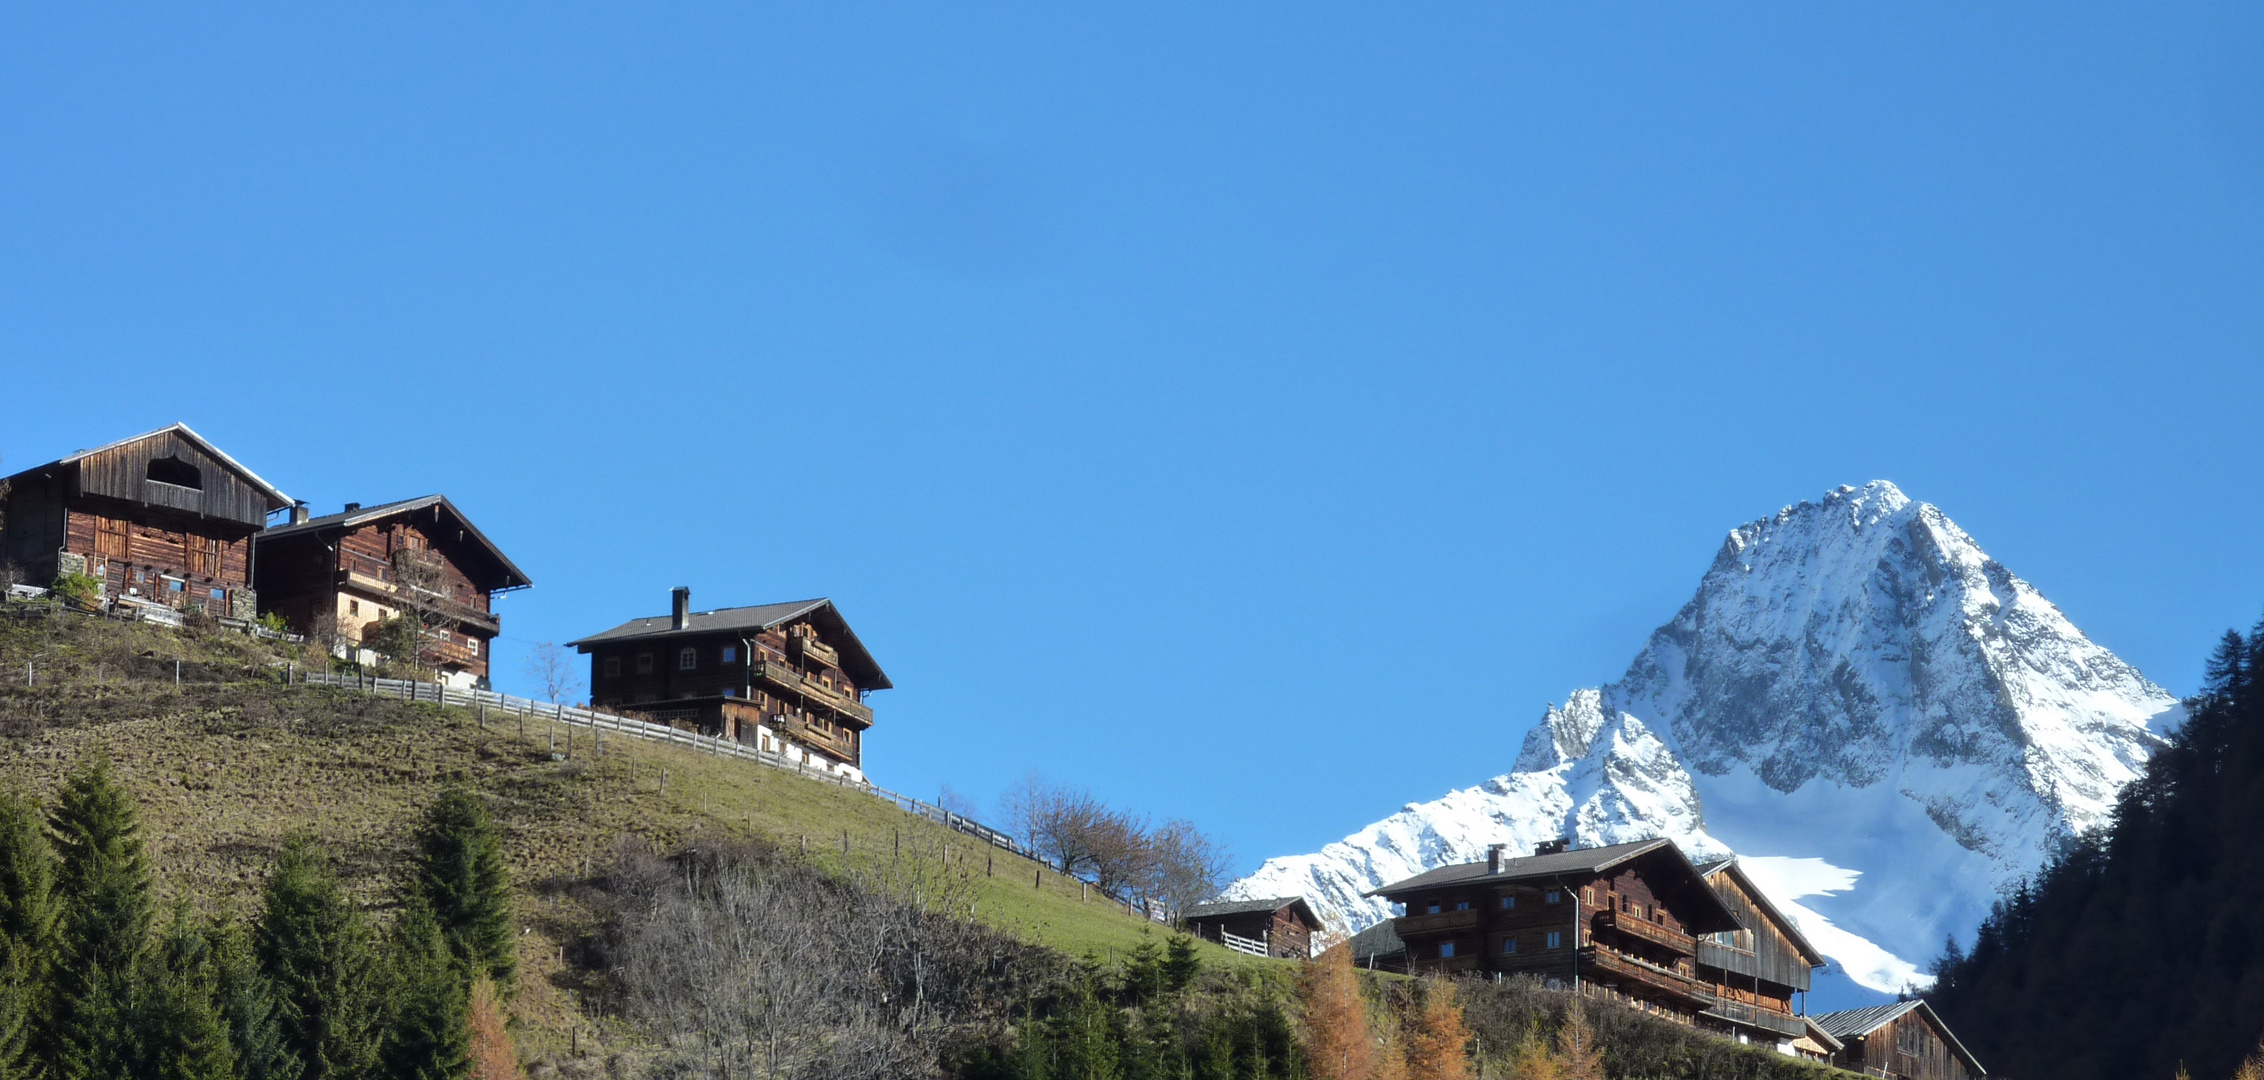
{"x":174,"y":471}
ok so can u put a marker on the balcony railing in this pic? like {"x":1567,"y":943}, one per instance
{"x":1738,"y":1012}
{"x":786,"y":678}
{"x":816,"y":650}
{"x":1674,"y":941}
{"x":1595,"y":960}
{"x":1445,"y":920}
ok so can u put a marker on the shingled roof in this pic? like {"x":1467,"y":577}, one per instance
{"x":1575,"y":861}
{"x":855,"y":660}
{"x":1218,"y":908}
{"x":1856,"y":1023}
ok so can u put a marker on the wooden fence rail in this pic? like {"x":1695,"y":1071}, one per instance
{"x":510,"y":706}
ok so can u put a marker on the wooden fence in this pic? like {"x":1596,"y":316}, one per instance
{"x":599,"y":722}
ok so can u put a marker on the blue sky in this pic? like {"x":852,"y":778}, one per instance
{"x":1255,"y":413}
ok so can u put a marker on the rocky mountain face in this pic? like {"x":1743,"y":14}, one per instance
{"x":1885,"y":723}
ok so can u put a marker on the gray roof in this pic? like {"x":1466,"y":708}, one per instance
{"x":1379,"y":940}
{"x":1250,"y":907}
{"x":275,"y":496}
{"x":855,"y":660}
{"x":1808,"y":951}
{"x":1855,"y":1023}
{"x":1593,"y":860}
{"x":513,"y":577}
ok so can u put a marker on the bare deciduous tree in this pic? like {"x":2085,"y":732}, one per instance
{"x":552,"y":670}
{"x":421,"y":591}
{"x":1173,"y":863}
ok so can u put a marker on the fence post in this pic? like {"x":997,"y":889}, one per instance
{"x":176,"y":673}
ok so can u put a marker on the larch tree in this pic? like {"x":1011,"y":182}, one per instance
{"x":493,"y":1056}
{"x":103,"y":892}
{"x":1578,"y":1054}
{"x":1338,"y":1042}
{"x":1438,"y":1046}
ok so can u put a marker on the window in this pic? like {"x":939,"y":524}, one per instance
{"x":1635,"y":910}
{"x":1433,"y":909}
{"x":687,"y":659}
{"x":176,"y":585}
{"x":1556,"y":939}
{"x":1588,"y":896}
{"x":1508,"y":902}
{"x":644,"y":663}
{"x":730,"y":654}
{"x":220,"y":594}
{"x":353,"y":607}
{"x":174,"y":471}
{"x":1509,"y":946}
{"x":612,"y":667}
{"x":1446,"y":950}
{"x":1462,"y":905}
{"x":730,"y":691}
{"x":1555,"y":896}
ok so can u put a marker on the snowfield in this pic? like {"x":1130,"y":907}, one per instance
{"x":1882,"y":721}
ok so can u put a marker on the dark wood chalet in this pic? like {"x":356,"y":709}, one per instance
{"x":1759,"y":969}
{"x":1618,"y":923}
{"x":1904,"y":1041}
{"x":1282,"y":926}
{"x":162,"y":520}
{"x":357,"y":566}
{"x":789,"y":678}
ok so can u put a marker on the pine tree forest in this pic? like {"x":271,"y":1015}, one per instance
{"x":2139,"y":951}
{"x":98,"y":983}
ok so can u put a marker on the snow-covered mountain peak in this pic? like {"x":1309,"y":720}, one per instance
{"x":1855,"y":684}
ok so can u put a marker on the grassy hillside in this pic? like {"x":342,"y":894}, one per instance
{"x":229,"y":762}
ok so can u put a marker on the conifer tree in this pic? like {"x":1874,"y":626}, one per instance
{"x":1338,"y":1042}
{"x":461,"y":875}
{"x":1438,"y":1046}
{"x":493,"y":1056}
{"x":179,"y":1032}
{"x":247,"y":1003}
{"x":429,"y":1035}
{"x":27,"y":934}
{"x":1578,"y":1055}
{"x":317,"y":951}
{"x":1180,"y":963}
{"x":103,"y":895}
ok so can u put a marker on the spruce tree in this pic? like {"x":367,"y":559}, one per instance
{"x":1180,"y":963}
{"x":317,"y":951}
{"x":180,"y":1033}
{"x":460,"y":874}
{"x":103,"y":893}
{"x":247,"y":1002}
{"x":429,"y":1036}
{"x":27,"y":934}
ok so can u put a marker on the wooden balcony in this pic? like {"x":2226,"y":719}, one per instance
{"x":1597,"y":962}
{"x":1753,"y":1016}
{"x":1426,"y":924}
{"x":815,"y":651}
{"x":790,"y":681}
{"x":1447,"y":965}
{"x":387,"y":592}
{"x":1650,"y":933}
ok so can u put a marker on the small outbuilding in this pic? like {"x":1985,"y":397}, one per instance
{"x":1281,"y":926}
{"x":1901,"y":1041}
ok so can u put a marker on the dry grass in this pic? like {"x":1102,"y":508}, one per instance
{"x":226,"y":770}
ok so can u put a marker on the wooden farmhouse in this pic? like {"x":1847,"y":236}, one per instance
{"x":1902,"y":1041}
{"x":1282,"y":926}
{"x":419,"y":559}
{"x":790,"y":678}
{"x":1618,"y":923}
{"x":1758,"y":969}
{"x":164,"y":521}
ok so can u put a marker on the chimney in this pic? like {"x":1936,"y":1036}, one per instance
{"x":680,"y":612}
{"x":1551,"y":847}
{"x":351,"y":507}
{"x":1494,"y":856}
{"x":299,"y":512}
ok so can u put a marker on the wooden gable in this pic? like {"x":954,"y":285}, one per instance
{"x":175,"y":469}
{"x":1768,"y":947}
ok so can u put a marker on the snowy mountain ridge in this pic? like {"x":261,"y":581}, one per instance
{"x":1880,"y":718}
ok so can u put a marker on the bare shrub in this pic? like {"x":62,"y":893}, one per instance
{"x":744,"y":963}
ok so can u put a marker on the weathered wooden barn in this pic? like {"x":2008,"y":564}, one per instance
{"x":767,"y":675}
{"x":1901,"y":1041}
{"x":163,"y":520}
{"x":419,"y":559}
{"x":1618,"y":923}
{"x":1759,"y":970}
{"x":1281,"y":926}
